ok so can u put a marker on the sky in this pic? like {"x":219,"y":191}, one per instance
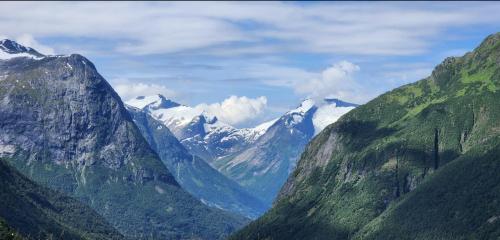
{"x":254,"y":59}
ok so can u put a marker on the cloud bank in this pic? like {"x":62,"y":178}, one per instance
{"x":225,"y":28}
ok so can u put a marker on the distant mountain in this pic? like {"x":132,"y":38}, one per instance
{"x":62,"y":125}
{"x":10,"y":49}
{"x":419,"y":162}
{"x":31,"y":211}
{"x":266,"y":163}
{"x":259,"y":159}
{"x":200,"y":132}
{"x":193,"y":173}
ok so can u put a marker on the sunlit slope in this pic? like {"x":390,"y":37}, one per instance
{"x":427,"y":150}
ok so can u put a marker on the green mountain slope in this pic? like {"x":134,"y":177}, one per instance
{"x":427,"y":150}
{"x":36,"y":212}
{"x":460,"y":201}
{"x":63,"y":126}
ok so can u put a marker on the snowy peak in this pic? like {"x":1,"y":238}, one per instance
{"x":297,"y":116}
{"x":13,"y":47}
{"x":319,"y":114}
{"x":153,"y":102}
{"x":207,"y":119}
{"x":10,"y":49}
{"x":304,"y":107}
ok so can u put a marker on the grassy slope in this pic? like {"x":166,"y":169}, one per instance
{"x":40,"y":213}
{"x":387,"y":151}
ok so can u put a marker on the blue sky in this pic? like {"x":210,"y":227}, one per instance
{"x":270,"y":55}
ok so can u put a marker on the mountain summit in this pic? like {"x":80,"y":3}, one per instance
{"x":265,"y":164}
{"x":260,"y":158}
{"x":11,"y":49}
{"x":153,"y":102}
{"x":199,"y":131}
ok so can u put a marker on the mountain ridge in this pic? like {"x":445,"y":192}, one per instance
{"x":264,"y":166}
{"x":10,"y":49}
{"x":417,"y":162}
{"x":249,"y":156}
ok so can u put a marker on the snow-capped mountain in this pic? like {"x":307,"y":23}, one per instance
{"x":10,"y":49}
{"x":192,"y":173}
{"x":200,"y":132}
{"x":264,"y":165}
{"x":260,"y":158}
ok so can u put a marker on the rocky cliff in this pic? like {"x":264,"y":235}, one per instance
{"x":62,"y":125}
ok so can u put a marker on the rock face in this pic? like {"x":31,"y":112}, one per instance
{"x":62,"y":125}
{"x":36,"y":212}
{"x":418,"y":162}
{"x":193,"y":173}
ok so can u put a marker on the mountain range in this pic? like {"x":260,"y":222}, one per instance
{"x":418,"y":162}
{"x":259,"y":159}
{"x":193,"y":173}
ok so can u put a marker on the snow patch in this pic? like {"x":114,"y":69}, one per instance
{"x":7,"y":56}
{"x":263,"y":127}
{"x":326,"y":115}
{"x":10,"y":49}
{"x":6,"y":150}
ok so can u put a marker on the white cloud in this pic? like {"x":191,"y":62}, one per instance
{"x":335,"y":81}
{"x":128,"y":91}
{"x":326,"y":115}
{"x":28,"y":41}
{"x":236,"y":110}
{"x":213,"y":27}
